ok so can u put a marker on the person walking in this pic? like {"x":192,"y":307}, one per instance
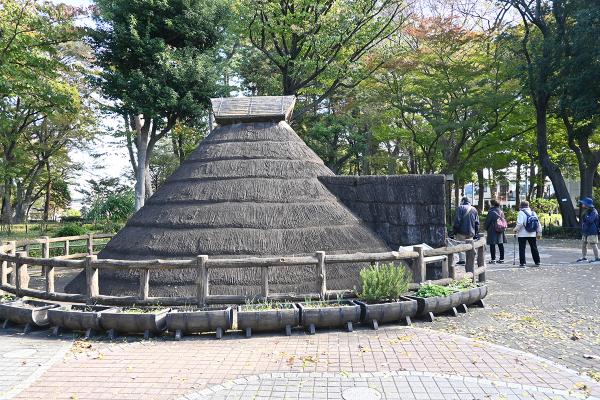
{"x":466,"y":224}
{"x":589,"y":228}
{"x":495,"y":225}
{"x":528,"y":230}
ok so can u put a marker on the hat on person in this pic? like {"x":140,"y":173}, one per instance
{"x":586,"y":201}
{"x":464,"y":200}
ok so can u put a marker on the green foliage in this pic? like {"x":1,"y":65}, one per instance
{"x":384,"y":282}
{"x":549,"y":206}
{"x":71,"y":230}
{"x":7,"y":297}
{"x":432,"y":290}
{"x":265,"y":305}
{"x":463,"y":284}
{"x":560,"y":232}
{"x":115,"y":207}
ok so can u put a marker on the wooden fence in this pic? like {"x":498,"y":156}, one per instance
{"x":15,"y":276}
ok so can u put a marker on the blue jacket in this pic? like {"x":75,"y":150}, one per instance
{"x":469,"y":224}
{"x":589,"y":222}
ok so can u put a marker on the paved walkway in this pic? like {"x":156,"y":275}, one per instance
{"x":165,"y":369}
{"x":550,"y":312}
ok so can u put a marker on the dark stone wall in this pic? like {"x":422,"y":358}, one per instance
{"x":402,"y":209}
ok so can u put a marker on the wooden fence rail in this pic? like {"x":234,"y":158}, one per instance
{"x":15,"y":276}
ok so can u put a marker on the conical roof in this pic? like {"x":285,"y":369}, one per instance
{"x":248,"y":189}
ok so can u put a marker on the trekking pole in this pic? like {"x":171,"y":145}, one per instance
{"x":515,"y":250}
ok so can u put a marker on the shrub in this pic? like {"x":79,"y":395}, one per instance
{"x":384,"y":282}
{"x":71,"y":230}
{"x":432,"y":290}
{"x":549,"y":206}
{"x":560,"y":232}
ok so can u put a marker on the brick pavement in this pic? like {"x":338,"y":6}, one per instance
{"x":165,"y":369}
{"x":405,"y":385}
{"x":552,"y":312}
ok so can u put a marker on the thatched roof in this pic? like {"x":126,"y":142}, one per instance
{"x":248,"y":189}
{"x":252,"y":109}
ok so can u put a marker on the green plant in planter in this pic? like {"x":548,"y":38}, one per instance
{"x":7,"y":297}
{"x":145,"y":310}
{"x":384,"y":282}
{"x":266,"y":305}
{"x":432,"y":290}
{"x":463,"y":284}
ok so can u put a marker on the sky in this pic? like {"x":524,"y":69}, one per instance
{"x":114,"y":159}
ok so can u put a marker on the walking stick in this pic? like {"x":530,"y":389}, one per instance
{"x":515,"y":250}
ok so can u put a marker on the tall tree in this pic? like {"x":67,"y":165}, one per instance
{"x":317,"y":45}
{"x":541,"y":56}
{"x":157,"y":61}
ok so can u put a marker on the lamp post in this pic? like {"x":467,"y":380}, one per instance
{"x":449,"y":179}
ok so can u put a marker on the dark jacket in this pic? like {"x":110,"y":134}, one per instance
{"x":589,"y":222}
{"x":466,"y":225}
{"x":494,"y":237}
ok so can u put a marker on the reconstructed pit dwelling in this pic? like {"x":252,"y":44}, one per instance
{"x":254,"y":188}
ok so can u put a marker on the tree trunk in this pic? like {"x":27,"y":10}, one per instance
{"x":48,"y":196}
{"x":587,"y":180}
{"x":456,"y":193}
{"x":140,"y":173}
{"x":539,"y":193}
{"x":518,"y":186}
{"x":481,"y":182}
{"x":532,"y":176}
{"x":558,"y":182}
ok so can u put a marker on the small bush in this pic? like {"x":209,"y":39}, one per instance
{"x":433,"y":290}
{"x":560,"y":232}
{"x":70,"y":230}
{"x":384,"y":282}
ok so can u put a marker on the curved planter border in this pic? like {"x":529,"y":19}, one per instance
{"x":268,"y":320}
{"x":77,"y":317}
{"x":31,"y":313}
{"x":330,"y":317}
{"x":398,"y":311}
{"x":216,"y":320}
{"x":116,"y":321}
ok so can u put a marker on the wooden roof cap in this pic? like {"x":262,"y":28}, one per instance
{"x":230,"y":110}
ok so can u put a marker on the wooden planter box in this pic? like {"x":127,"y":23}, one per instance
{"x":428,"y":306}
{"x":31,"y":313}
{"x":330,"y":317}
{"x":216,"y":319}
{"x":268,"y":320}
{"x":131,"y":323}
{"x":398,"y":311}
{"x":474,"y":295}
{"x":77,"y":318}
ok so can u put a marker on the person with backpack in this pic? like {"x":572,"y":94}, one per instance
{"x":495,"y":224}
{"x":589,"y":228}
{"x":466,"y":224}
{"x":528,"y":230}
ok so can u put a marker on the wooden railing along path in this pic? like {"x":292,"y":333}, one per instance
{"x":15,"y":276}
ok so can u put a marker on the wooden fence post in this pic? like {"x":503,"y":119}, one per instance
{"x":67,"y":245}
{"x":22,"y":274}
{"x":451,"y":266}
{"x":47,"y":270}
{"x":322,"y":274}
{"x":481,"y":262}
{"x":419,"y":267}
{"x":13,"y":270}
{"x":470,"y":258}
{"x":91,"y":274}
{"x":264,"y":273}
{"x":90,"y":244}
{"x":4,"y":273}
{"x":144,"y":284}
{"x":202,"y":283}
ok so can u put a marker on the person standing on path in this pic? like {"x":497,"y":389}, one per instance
{"x":589,"y":228}
{"x":466,"y":224}
{"x":528,"y":230}
{"x":495,"y":225}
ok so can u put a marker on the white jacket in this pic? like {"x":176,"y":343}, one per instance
{"x":522,"y":220}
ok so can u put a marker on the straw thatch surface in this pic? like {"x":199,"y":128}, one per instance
{"x":252,"y":109}
{"x":248,"y":189}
